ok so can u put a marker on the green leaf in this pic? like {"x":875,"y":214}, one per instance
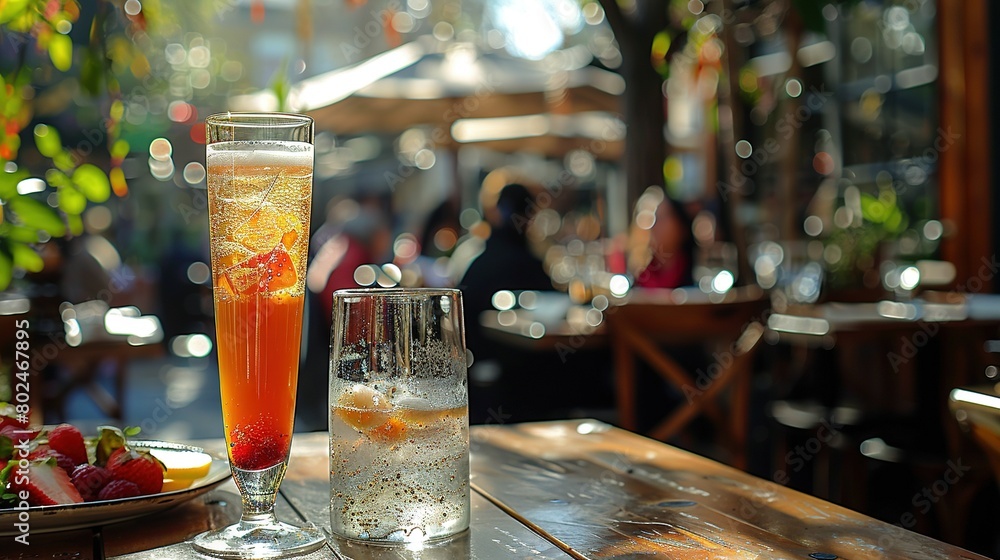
{"x":896,"y":221}
{"x":36,"y":215}
{"x":72,"y":201}
{"x":6,"y":447}
{"x":132,"y":431}
{"x":48,"y":141}
{"x":93,"y":182}
{"x":873,"y":209}
{"x":74,"y":223}
{"x":64,"y":161}
{"x":120,"y":149}
{"x":20,"y":234}
{"x":111,"y":439}
{"x":91,"y":73}
{"x":5,"y":271}
{"x":25,"y":257}
{"x":61,"y":51}
{"x":12,"y":9}
{"x":280,"y":84}
{"x":8,"y":183}
{"x":57,"y":178}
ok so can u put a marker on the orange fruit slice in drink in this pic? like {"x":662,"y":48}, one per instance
{"x":392,"y":431}
{"x":267,"y":272}
{"x":363,"y":408}
{"x":267,"y":228}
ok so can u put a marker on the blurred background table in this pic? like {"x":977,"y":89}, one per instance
{"x":568,"y":489}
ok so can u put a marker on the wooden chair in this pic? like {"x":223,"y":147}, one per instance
{"x":734,"y":325}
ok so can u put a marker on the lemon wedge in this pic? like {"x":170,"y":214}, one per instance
{"x":183,"y":465}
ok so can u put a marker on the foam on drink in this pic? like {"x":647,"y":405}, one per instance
{"x":259,"y":153}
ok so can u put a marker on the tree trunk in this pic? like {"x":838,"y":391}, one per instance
{"x":645,"y":145}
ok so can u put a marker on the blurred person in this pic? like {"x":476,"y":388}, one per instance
{"x":438,"y":242}
{"x":353,"y":235}
{"x":505,"y":263}
{"x":671,"y":246}
{"x":664,"y":246}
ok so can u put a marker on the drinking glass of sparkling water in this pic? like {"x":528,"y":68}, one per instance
{"x":399,"y":417}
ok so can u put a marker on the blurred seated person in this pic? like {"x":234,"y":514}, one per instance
{"x":505,"y":263}
{"x":664,"y":250}
{"x":669,"y":250}
{"x":438,"y":241}
{"x":353,"y":235}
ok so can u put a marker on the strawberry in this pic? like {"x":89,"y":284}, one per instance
{"x":257,"y":446}
{"x":117,"y":489}
{"x":8,"y":417}
{"x":68,"y":440}
{"x":90,"y":480}
{"x":138,"y":467}
{"x":40,"y":451}
{"x":17,"y":433}
{"x":46,"y":484}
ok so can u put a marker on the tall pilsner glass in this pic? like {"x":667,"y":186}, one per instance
{"x":260,"y":169}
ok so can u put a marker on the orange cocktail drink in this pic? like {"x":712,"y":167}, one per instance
{"x":260,"y":201}
{"x":260,"y":169}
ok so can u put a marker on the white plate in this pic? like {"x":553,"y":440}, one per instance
{"x":47,"y":519}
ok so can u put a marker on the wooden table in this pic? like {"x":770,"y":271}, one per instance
{"x":556,"y":490}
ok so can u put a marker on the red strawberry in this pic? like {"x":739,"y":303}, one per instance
{"x":140,"y":468}
{"x":39,"y":452}
{"x":17,"y":433}
{"x":257,"y":446}
{"x":90,"y":480}
{"x":68,"y":440}
{"x":46,"y":484}
{"x":117,"y":489}
{"x":8,"y":417}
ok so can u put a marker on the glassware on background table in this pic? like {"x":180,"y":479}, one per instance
{"x":260,"y":169}
{"x":399,"y":417}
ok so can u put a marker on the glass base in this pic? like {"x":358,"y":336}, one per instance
{"x":267,"y":538}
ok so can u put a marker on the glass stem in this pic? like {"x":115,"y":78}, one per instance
{"x":259,"y":490}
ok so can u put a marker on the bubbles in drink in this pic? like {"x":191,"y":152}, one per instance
{"x":399,"y":460}
{"x":258,"y":192}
